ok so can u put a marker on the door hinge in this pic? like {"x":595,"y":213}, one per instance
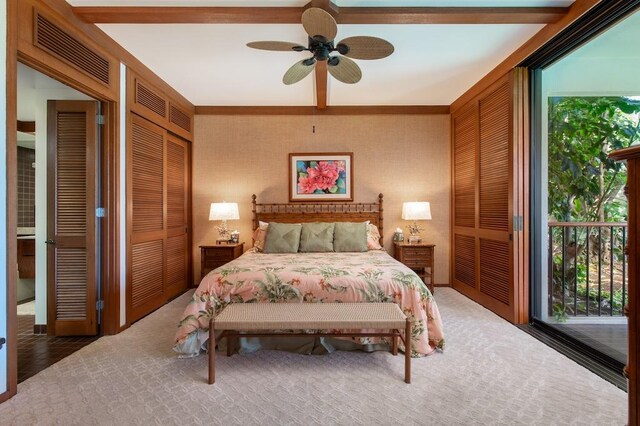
{"x":100,"y":212}
{"x":518,"y":223}
{"x":99,"y":305}
{"x":2,"y":342}
{"x":100,"y":119}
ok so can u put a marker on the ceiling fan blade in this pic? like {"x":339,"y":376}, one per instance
{"x":345,"y":70}
{"x":317,"y":22}
{"x":281,"y":46}
{"x":298,"y":71}
{"x":365,"y":47}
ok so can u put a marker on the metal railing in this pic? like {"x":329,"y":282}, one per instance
{"x":587,"y":269}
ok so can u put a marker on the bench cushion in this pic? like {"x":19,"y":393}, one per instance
{"x":303,"y":316}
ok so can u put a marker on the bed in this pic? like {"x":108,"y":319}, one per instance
{"x":327,"y":277}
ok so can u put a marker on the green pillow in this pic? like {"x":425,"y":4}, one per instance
{"x":350,"y":236}
{"x":316,"y":237}
{"x":282,"y":238}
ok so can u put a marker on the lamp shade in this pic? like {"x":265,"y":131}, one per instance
{"x":224,"y":211}
{"x":417,"y":210}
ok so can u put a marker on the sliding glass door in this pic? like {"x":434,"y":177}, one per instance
{"x":587,"y":104}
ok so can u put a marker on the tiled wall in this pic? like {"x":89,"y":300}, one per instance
{"x":26,"y":187}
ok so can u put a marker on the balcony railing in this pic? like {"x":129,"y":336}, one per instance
{"x":587,"y":269}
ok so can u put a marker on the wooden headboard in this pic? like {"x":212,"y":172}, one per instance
{"x":318,"y":212}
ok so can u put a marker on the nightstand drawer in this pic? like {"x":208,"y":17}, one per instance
{"x":217,"y":255}
{"x":416,"y":255}
{"x":214,"y":256}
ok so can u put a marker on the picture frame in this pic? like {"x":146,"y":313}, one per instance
{"x":326,"y":176}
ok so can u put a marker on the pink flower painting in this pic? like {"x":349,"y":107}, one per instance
{"x":321,"y":178}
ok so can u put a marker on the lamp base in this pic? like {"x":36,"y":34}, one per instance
{"x":415,"y":239}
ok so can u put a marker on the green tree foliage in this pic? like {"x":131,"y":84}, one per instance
{"x":584,"y":184}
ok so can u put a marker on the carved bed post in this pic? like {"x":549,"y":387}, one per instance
{"x":253,"y":212}
{"x":380,"y":219}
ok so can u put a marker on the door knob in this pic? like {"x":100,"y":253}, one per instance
{"x":50,"y":242}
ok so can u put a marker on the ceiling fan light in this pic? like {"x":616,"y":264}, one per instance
{"x":343,"y":49}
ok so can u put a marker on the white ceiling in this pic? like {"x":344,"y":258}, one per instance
{"x":211,"y":65}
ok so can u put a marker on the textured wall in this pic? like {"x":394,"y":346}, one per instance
{"x":406,"y":157}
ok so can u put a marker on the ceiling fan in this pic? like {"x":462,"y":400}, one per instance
{"x":322,"y":30}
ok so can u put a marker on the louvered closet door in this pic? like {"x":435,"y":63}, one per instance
{"x":71,"y":235}
{"x":177,"y":216}
{"x":483,"y":179}
{"x":146,"y":183}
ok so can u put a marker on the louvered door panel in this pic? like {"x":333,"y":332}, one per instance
{"x":495,"y":141}
{"x":494,"y":269}
{"x":72,"y":287}
{"x":465,"y":169}
{"x":147,"y":277}
{"x":176,"y":184}
{"x":484,"y":180}
{"x":147,"y":176}
{"x":71,"y":284}
{"x":465,"y":260}
{"x":177,"y":213}
{"x":177,"y":271}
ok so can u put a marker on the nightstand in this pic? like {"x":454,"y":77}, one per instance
{"x":214,"y":256}
{"x":418,"y":257}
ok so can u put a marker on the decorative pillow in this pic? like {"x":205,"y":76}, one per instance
{"x":316,"y":237}
{"x":259,"y":235}
{"x":350,"y":236}
{"x":373,"y":237}
{"x":282,"y":238}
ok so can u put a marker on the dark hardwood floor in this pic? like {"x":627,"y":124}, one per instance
{"x":39,"y":351}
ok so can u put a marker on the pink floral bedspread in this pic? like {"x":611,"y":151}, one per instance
{"x":372,"y":276}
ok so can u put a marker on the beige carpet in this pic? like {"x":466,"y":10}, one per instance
{"x":491,"y":373}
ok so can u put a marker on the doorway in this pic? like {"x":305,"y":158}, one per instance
{"x":58,"y":191}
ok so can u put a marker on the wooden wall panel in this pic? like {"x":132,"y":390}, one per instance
{"x":485,"y":260}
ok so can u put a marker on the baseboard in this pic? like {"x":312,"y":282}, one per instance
{"x":27,"y":300}
{"x":442,"y":285}
{"x":40,"y":329}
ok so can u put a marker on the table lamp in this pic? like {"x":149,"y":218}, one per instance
{"x":223,"y":211}
{"x":417,"y":210}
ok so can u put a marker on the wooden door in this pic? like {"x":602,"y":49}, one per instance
{"x":72,"y":137}
{"x":158,"y":184}
{"x":146,"y":186}
{"x":486,"y":213}
{"x":178,"y":249}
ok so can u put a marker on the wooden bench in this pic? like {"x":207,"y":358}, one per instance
{"x":260,"y":319}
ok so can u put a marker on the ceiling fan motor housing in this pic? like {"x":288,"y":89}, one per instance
{"x":321,"y":47}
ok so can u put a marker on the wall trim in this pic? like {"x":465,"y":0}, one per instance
{"x":330,"y":110}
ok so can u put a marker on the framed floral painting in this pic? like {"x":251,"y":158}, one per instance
{"x":321,"y":177}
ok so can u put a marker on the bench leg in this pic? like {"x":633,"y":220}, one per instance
{"x":407,"y":352}
{"x":212,"y":353}
{"x":394,"y":343}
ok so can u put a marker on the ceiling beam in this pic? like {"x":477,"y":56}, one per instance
{"x":321,"y":84}
{"x":450,"y":15}
{"x":344,"y":15}
{"x":330,"y":110}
